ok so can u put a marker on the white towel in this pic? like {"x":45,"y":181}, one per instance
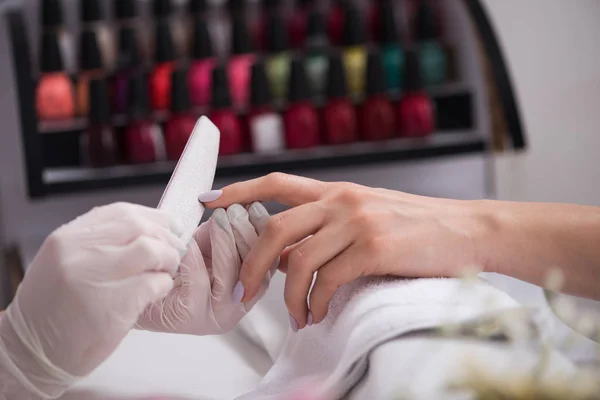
{"x":333,"y":354}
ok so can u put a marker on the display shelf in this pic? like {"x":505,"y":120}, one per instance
{"x":71,"y":180}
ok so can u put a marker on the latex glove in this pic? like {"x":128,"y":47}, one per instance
{"x":83,"y":292}
{"x":202,"y":302}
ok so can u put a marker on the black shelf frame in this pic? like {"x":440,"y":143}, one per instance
{"x":43,"y":181}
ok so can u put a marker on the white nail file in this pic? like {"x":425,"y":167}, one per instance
{"x":193,"y":175}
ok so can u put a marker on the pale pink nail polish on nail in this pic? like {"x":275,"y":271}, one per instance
{"x":210,"y":196}
{"x":309,"y":319}
{"x":293,"y":324}
{"x":238,"y":293}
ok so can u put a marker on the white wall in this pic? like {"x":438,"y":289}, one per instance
{"x":553,"y":52}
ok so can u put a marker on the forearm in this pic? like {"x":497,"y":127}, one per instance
{"x":528,"y":240}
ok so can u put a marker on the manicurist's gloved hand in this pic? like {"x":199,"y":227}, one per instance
{"x":83,"y":292}
{"x":205,"y":299}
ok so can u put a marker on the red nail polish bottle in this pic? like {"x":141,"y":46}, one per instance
{"x":339,"y":116}
{"x":181,"y":124}
{"x":415,"y":113}
{"x":200,"y":73}
{"x":301,"y":119}
{"x":266,"y":127}
{"x":298,"y":23}
{"x":99,"y":144}
{"x":160,"y":78}
{"x":335,"y":22}
{"x":223,"y":116}
{"x":269,"y":9}
{"x":144,"y":142}
{"x":377,"y":114}
{"x":240,"y":63}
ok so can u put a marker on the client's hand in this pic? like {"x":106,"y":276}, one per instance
{"x":203,"y":301}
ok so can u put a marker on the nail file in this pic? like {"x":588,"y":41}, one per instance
{"x":193,"y":175}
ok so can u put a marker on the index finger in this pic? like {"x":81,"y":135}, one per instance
{"x":290,"y":190}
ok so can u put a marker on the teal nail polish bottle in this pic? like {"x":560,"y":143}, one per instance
{"x":317,"y":60}
{"x":391,"y":51}
{"x":434,"y":65}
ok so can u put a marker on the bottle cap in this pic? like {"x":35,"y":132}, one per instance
{"x":51,"y":13}
{"x":91,"y":11}
{"x":164,"y":51}
{"x":375,"y":74}
{"x":162,"y":8}
{"x":354,"y":33}
{"x":99,"y":108}
{"x":202,"y":47}
{"x":138,"y":96}
{"x":240,"y":36}
{"x":90,"y":57}
{"x":316,"y":25}
{"x":300,"y":88}
{"x":260,"y":90}
{"x":336,"y":77}
{"x":51,"y":57}
{"x":277,"y":34}
{"x":129,"y":54}
{"x":197,"y":6}
{"x":425,"y":22}
{"x":236,"y":7}
{"x":220,"y":88}
{"x":125,"y":9}
{"x":388,"y":26}
{"x":271,"y":5}
{"x":412,"y":72}
{"x":180,"y":96}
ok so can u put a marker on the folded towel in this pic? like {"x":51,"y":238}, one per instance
{"x":333,"y":355}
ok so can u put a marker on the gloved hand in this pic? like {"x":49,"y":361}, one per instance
{"x":82,"y":294}
{"x":202,"y":302}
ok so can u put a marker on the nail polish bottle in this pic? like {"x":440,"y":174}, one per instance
{"x":335,"y":21}
{"x":377,"y":114}
{"x":128,"y":63}
{"x":415,"y":114}
{"x":92,"y":18}
{"x":164,"y":12}
{"x":126,"y":16}
{"x":279,"y":57}
{"x":99,"y":143}
{"x":181,"y":124}
{"x":144,"y":141}
{"x":269,"y":8}
{"x":165,"y":60}
{"x":240,"y":63}
{"x":339,"y":117}
{"x":223,"y":116}
{"x":203,"y":62}
{"x":301,"y":120}
{"x":52,"y":21}
{"x":434,"y":65}
{"x":298,"y":23}
{"x":54,"y":97}
{"x":197,"y":11}
{"x":355,"y":53}
{"x":266,"y":126}
{"x":391,"y":51}
{"x":374,"y":16}
{"x":317,"y":58}
{"x":90,"y":67}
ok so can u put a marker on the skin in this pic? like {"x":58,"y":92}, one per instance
{"x":345,"y":231}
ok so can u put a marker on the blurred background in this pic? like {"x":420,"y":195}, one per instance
{"x":454,"y":98}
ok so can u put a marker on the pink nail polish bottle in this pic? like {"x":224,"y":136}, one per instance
{"x":240,"y":63}
{"x":199,"y":78}
{"x":181,"y":124}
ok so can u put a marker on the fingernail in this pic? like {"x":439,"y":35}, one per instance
{"x":210,"y":196}
{"x":293,"y":324}
{"x":309,"y":319}
{"x":238,"y":293}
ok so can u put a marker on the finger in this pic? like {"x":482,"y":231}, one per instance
{"x":144,"y":254}
{"x":286,"y":254}
{"x":343,"y":269}
{"x":244,"y":232}
{"x":202,"y":238}
{"x":283,"y":229}
{"x":120,"y":210}
{"x":259,"y":216}
{"x":226,"y":262}
{"x":305,"y":260}
{"x":286,"y":189}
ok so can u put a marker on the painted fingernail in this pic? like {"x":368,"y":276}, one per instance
{"x":210,"y":196}
{"x":309,"y":319}
{"x":293,"y":324}
{"x":238,"y":293}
